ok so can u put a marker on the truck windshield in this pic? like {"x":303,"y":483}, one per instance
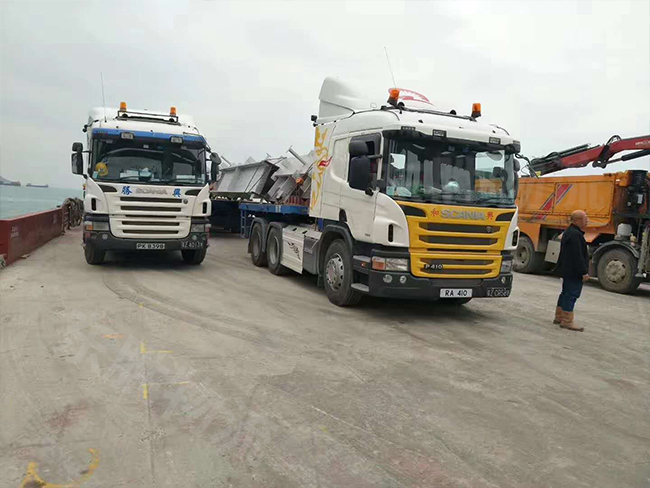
{"x":150,"y":162}
{"x":430,"y":171}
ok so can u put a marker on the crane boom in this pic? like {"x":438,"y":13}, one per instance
{"x":600,"y":156}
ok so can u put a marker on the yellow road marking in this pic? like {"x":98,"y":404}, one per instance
{"x":143,"y":350}
{"x":32,"y":479}
{"x":112,"y":336}
{"x":145,"y":391}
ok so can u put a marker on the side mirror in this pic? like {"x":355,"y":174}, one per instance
{"x":516,"y":165}
{"x":358,"y":148}
{"x":214,"y":166}
{"x":360,"y":175}
{"x":77,"y":163}
{"x":77,"y":147}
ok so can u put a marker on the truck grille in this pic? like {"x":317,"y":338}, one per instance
{"x":151,"y":204}
{"x":151,"y":228}
{"x":441,"y":248}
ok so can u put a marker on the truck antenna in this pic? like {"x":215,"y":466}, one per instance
{"x":103,"y":97}
{"x":390,"y":68}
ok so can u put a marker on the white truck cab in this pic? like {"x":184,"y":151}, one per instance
{"x":146,"y":183}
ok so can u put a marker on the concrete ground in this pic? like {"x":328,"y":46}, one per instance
{"x":148,"y":372}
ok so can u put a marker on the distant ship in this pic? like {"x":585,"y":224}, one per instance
{"x":6,"y":182}
{"x":30,"y":185}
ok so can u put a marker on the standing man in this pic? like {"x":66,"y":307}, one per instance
{"x":573,"y":266}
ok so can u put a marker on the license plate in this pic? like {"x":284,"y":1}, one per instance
{"x":498,"y":292}
{"x":455,"y":293}
{"x":150,"y":245}
{"x":192,"y":245}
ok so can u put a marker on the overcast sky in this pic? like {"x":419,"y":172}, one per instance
{"x":555,"y":74}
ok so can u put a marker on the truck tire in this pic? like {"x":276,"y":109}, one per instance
{"x":258,"y":254}
{"x":194,"y":256}
{"x":526,"y":260}
{"x":616,"y":270}
{"x":274,"y":252}
{"x":338,"y":275}
{"x":93,"y":255}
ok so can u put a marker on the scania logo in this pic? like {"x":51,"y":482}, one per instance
{"x":151,"y":191}
{"x":463,"y":214}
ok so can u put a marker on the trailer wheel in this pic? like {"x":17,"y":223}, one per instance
{"x":258,"y":255}
{"x":93,"y":255}
{"x":616,"y":270}
{"x":274,"y":252}
{"x":338,"y":274}
{"x":526,"y":260}
{"x":194,"y":256}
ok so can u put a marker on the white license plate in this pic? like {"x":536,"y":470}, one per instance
{"x":455,"y":293}
{"x":150,"y":245}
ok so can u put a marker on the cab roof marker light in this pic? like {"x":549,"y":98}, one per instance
{"x":393,"y":96}
{"x":127,"y":135}
{"x":476,"y":110}
{"x":172,"y":111}
{"x":122,"y":106}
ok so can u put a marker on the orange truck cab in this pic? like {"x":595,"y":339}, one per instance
{"x":618,"y":234}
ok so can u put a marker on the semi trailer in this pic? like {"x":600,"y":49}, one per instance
{"x":396,"y":199}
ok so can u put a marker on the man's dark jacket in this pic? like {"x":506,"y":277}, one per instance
{"x":573,"y":262}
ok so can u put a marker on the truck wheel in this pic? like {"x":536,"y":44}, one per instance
{"x":258,"y":255}
{"x":526,"y":260}
{"x":616,"y":270}
{"x":194,"y":256}
{"x":94,"y":255}
{"x":274,"y":252}
{"x":338,"y":275}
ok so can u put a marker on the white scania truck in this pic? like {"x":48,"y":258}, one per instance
{"x":146,"y":183}
{"x":400,"y":200}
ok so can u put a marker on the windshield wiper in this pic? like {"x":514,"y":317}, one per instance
{"x":498,"y":199}
{"x":139,"y":178}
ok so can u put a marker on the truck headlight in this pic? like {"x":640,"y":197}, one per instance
{"x":390,"y":264}
{"x":199,"y":228}
{"x":506,"y":266}
{"x":96,"y":226}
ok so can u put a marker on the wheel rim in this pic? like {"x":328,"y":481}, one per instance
{"x":273,"y":250}
{"x":522,"y":256}
{"x":334,"y":272}
{"x":615,"y":271}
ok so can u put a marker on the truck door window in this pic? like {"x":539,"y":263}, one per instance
{"x":373,"y":141}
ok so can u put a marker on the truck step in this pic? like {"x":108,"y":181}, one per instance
{"x":360,"y":287}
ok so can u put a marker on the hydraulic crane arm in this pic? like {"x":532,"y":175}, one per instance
{"x":581,"y":156}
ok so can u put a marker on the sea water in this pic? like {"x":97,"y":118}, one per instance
{"x":20,"y":200}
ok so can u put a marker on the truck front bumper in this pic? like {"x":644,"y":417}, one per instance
{"x":107,"y":241}
{"x":405,"y":285}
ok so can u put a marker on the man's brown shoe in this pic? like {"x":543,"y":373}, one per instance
{"x":567,"y":322}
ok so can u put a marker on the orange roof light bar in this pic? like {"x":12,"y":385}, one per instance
{"x":393,"y":96}
{"x":172,"y":111}
{"x":122,"y":106}
{"x":476,"y":110}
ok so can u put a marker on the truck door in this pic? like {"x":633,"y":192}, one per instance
{"x":359,"y":207}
